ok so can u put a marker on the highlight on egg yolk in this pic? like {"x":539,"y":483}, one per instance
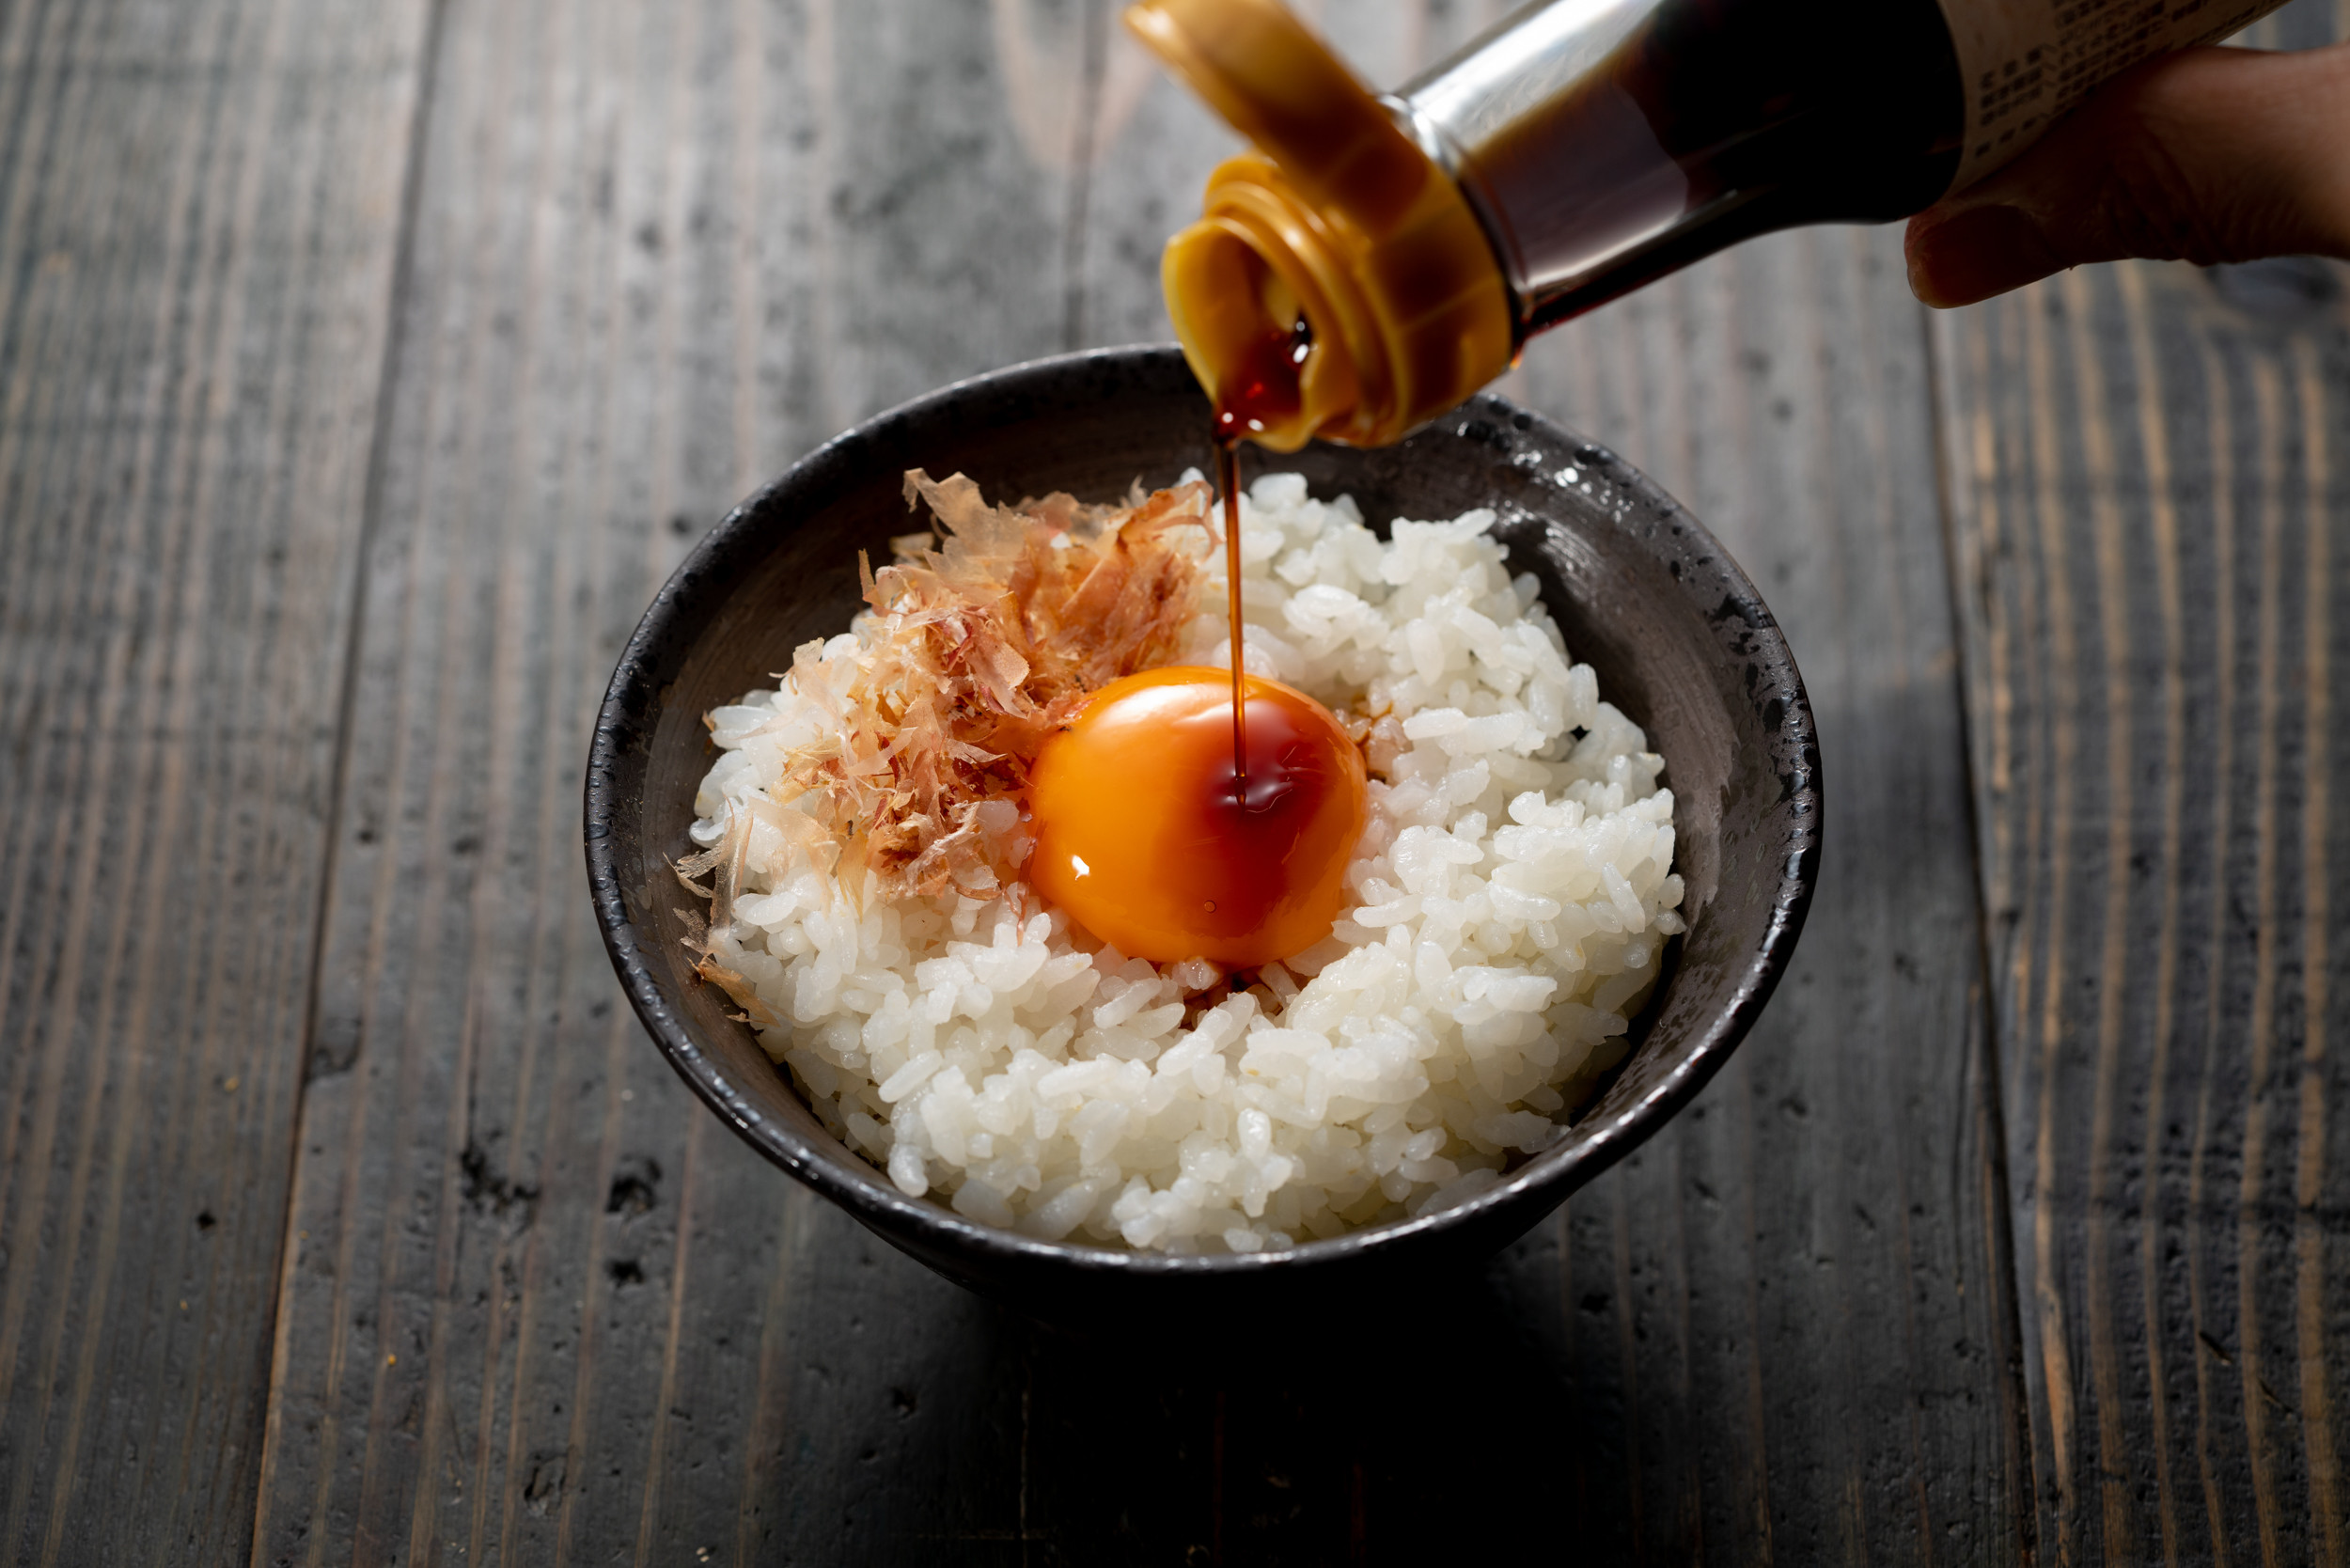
{"x":1143,"y":838}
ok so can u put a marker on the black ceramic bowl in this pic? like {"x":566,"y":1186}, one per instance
{"x":1679,"y":638}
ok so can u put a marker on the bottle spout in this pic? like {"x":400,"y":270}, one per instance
{"x":1337,"y":284}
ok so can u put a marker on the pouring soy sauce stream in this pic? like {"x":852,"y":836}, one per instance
{"x":1145,"y":833}
{"x":1265,"y":390}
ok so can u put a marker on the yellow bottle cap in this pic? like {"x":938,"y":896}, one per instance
{"x":1335,"y":215}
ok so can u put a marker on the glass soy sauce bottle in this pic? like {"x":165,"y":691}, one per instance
{"x":1580,"y":148}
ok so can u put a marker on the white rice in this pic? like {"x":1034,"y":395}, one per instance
{"x":1513,"y":888}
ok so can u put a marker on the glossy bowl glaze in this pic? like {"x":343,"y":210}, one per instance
{"x":1677,"y":636}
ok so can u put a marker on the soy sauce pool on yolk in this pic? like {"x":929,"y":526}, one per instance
{"x":1142,"y":838}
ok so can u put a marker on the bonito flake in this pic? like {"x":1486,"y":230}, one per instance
{"x":981,"y":640}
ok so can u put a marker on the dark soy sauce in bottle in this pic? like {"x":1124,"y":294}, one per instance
{"x":1577,"y":150}
{"x":1703,"y":124}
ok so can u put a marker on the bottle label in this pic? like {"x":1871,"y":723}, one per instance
{"x":2026,"y":62}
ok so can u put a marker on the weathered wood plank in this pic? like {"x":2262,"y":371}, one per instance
{"x":1802,"y":1282}
{"x":199,"y":210}
{"x":2159,"y":609}
{"x":543,"y":1308}
{"x":2148,"y":472}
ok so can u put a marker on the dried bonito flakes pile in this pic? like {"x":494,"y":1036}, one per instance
{"x":981,"y":638}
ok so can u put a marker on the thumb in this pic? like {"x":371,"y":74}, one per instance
{"x":2208,"y":155}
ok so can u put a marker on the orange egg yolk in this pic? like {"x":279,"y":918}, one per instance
{"x":1143,"y":838}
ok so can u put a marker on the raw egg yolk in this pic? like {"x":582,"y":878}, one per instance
{"x":1144,"y":839}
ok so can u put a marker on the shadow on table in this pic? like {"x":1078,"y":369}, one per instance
{"x":937,"y":1427}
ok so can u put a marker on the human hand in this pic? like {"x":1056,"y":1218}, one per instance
{"x":2207,"y":155}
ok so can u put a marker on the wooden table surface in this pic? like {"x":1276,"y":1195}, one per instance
{"x":364,"y":365}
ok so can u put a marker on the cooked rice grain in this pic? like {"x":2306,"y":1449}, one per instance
{"x":1513,"y":888}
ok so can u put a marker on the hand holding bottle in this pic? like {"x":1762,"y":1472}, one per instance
{"x":1413,"y":242}
{"x":2208,"y":155}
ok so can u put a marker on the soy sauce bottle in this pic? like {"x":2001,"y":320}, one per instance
{"x":1580,"y":148}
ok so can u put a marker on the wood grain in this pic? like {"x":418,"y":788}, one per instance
{"x":541,"y":1307}
{"x":362,"y":372}
{"x":2146,"y":468}
{"x":199,"y":210}
{"x":1801,"y":1284}
{"x":2150,"y":475}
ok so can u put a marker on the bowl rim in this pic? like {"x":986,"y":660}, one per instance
{"x":632,"y":705}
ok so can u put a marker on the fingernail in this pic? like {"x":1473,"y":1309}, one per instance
{"x":1976,"y":254}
